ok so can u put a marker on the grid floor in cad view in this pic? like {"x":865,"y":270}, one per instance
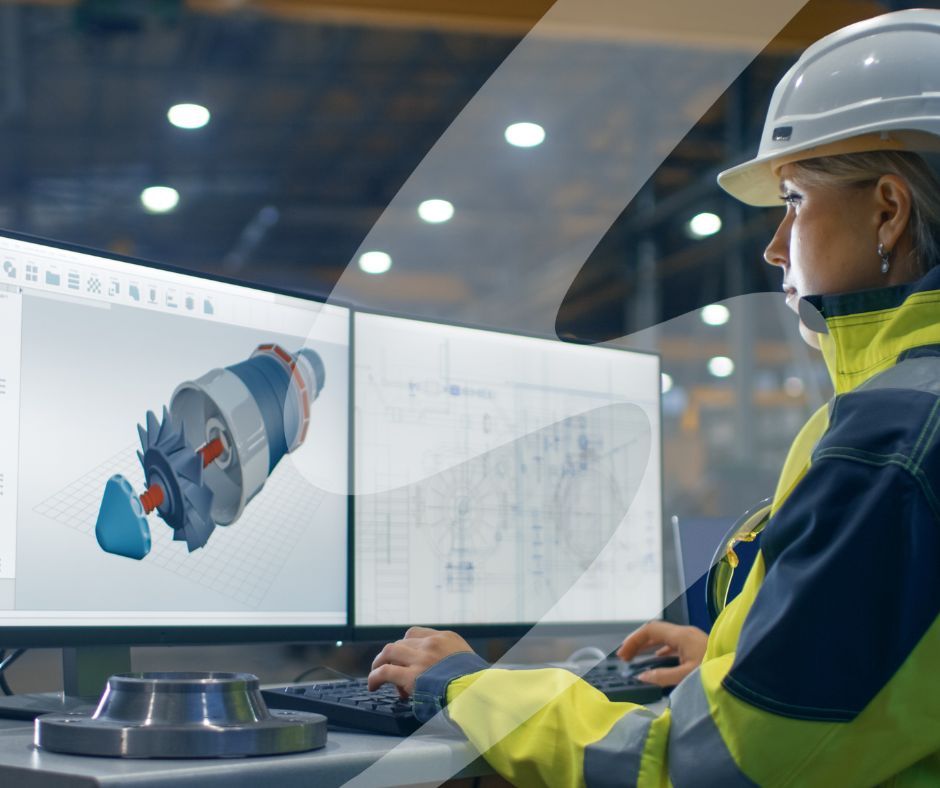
{"x":240,"y":560}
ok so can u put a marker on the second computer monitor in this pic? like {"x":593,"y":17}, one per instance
{"x":502,"y":479}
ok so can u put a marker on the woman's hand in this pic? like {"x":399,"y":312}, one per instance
{"x":688,"y":643}
{"x":401,"y":662}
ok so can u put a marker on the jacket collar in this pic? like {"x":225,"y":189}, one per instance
{"x":864,"y":332}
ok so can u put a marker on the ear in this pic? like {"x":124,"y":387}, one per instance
{"x":893,"y":201}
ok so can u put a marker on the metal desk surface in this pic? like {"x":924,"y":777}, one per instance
{"x":345,"y":760}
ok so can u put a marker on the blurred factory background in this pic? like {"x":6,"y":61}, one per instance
{"x":513,"y":164}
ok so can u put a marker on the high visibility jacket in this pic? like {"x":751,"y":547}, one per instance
{"x":825,"y":670}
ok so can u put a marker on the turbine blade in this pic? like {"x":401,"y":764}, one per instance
{"x":165,"y":425}
{"x":172,"y":442}
{"x":191,"y":468}
{"x":198,"y":499}
{"x":153,"y":428}
{"x":197,"y":530}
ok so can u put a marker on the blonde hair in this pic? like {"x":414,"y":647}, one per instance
{"x":856,"y":169}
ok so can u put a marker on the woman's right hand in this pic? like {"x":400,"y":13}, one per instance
{"x":688,"y":643}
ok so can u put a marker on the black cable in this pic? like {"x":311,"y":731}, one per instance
{"x":5,"y":662}
{"x":314,"y":669}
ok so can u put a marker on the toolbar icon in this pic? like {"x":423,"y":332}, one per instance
{"x":134,"y":292}
{"x":53,"y":278}
{"x":207,"y":307}
{"x":9,"y":269}
{"x":190,"y":302}
{"x":93,"y":285}
{"x":114,"y":287}
{"x":74,"y":281}
{"x":32,"y":272}
{"x":171,"y":299}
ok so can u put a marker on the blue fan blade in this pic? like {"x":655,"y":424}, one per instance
{"x":191,"y":468}
{"x":153,"y":429}
{"x":199,"y":525}
{"x":197,"y":531}
{"x":165,"y":425}
{"x":172,"y":442}
{"x":198,"y":499}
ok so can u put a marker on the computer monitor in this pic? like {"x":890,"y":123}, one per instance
{"x":502,"y":480}
{"x":221,"y":408}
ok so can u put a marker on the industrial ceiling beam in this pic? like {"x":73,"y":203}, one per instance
{"x":597,"y":20}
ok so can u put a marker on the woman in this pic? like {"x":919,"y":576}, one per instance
{"x":823,"y":671}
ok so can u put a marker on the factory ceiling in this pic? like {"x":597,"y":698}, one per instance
{"x":332,"y":121}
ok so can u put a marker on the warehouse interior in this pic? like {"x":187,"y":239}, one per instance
{"x":332,"y":121}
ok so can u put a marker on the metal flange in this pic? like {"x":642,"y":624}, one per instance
{"x":181,"y":715}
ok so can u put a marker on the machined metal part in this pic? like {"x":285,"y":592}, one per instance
{"x":181,"y":715}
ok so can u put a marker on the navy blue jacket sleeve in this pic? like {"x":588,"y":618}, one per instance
{"x":852,"y":581}
{"x":430,"y":694}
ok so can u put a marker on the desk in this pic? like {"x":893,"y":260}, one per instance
{"x":347,"y":757}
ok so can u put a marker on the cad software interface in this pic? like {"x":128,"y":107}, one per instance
{"x":174,"y":450}
{"x":503,"y":479}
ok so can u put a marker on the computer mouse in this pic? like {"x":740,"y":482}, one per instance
{"x":642,"y":664}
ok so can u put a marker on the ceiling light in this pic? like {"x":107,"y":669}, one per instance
{"x":720,"y":366}
{"x":159,"y":199}
{"x":715,"y":315}
{"x":704,"y":224}
{"x":525,"y":135}
{"x":188,"y":116}
{"x":794,"y":386}
{"x":375,"y":262}
{"x":435,"y":211}
{"x":665,"y":382}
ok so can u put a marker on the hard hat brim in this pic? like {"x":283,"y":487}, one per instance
{"x":757,"y":182}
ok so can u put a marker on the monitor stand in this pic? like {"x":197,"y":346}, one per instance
{"x":85,"y":672}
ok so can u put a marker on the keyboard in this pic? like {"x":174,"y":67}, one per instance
{"x":349,"y":704}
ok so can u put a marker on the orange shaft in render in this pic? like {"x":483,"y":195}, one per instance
{"x":211,"y":451}
{"x":152,"y":498}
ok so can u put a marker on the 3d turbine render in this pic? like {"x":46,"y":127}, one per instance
{"x":243,"y":419}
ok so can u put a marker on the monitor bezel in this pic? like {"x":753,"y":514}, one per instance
{"x":15,"y":636}
{"x":515,"y":630}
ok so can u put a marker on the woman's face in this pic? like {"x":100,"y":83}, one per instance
{"x":827,"y":241}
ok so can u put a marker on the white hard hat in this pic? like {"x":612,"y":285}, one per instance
{"x":874,"y":85}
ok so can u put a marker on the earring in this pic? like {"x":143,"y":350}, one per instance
{"x":885,"y":256}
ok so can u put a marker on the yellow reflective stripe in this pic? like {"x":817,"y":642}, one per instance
{"x":921,"y":373}
{"x":698,"y":754}
{"x":614,"y":761}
